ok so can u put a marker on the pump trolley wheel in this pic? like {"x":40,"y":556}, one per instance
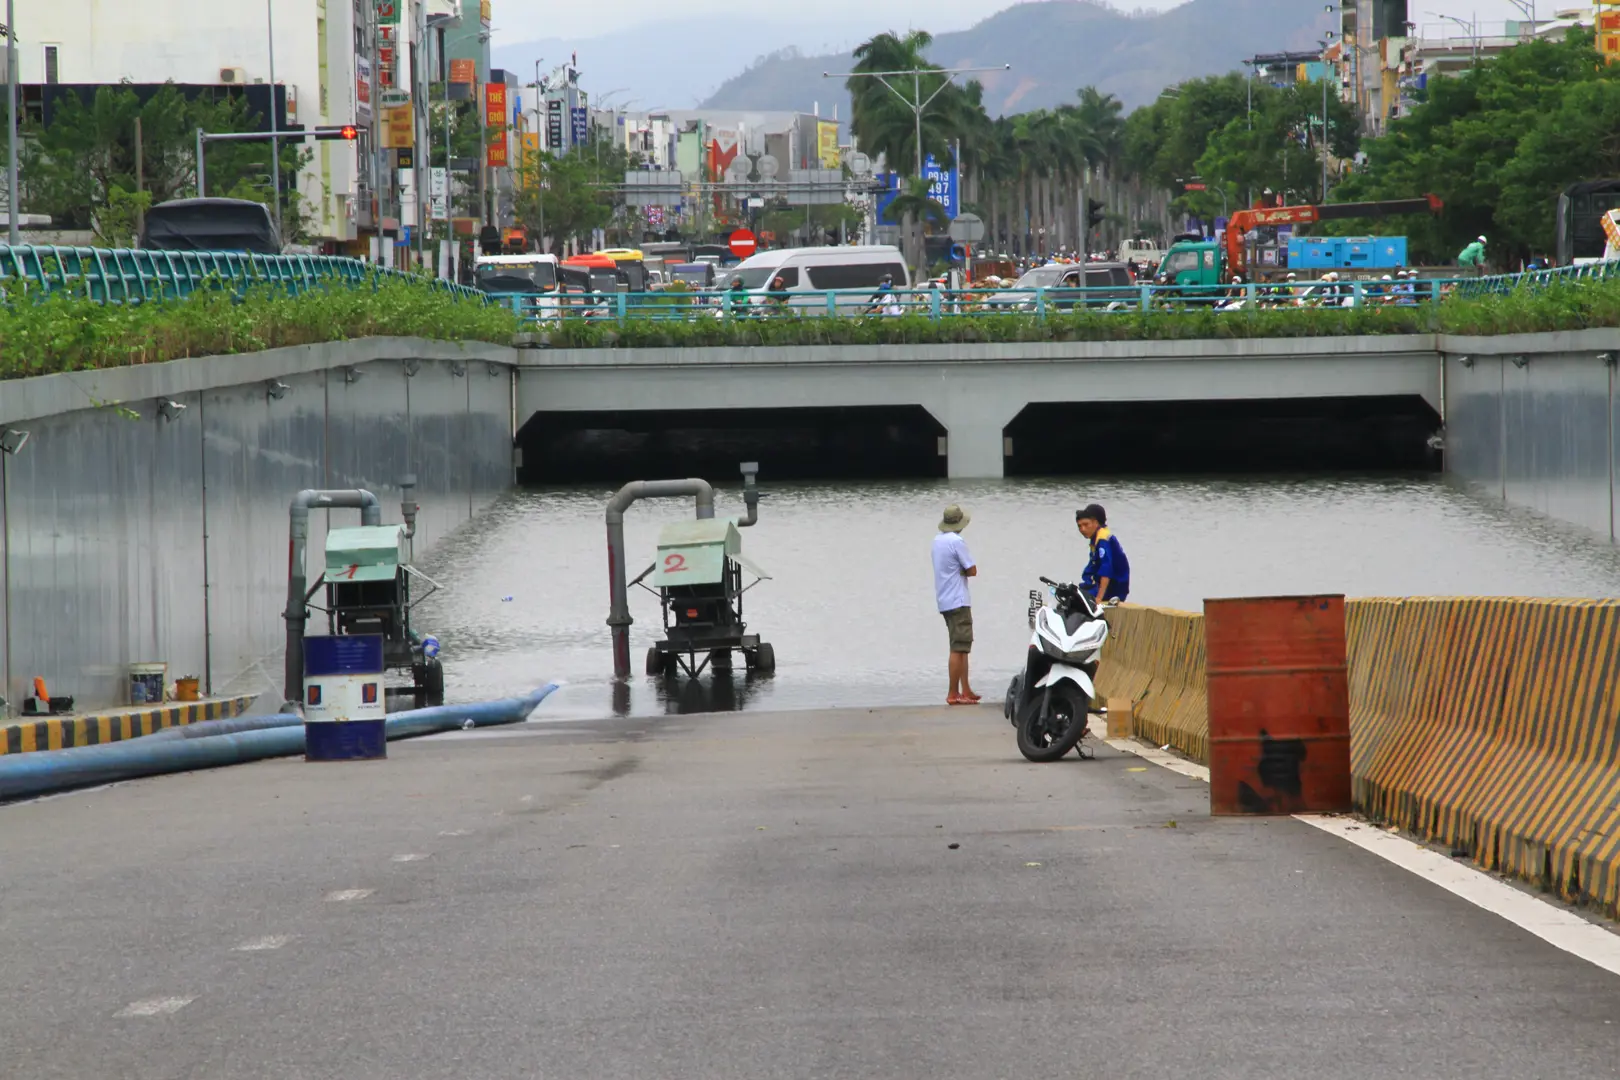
{"x":657,"y":662}
{"x":720,"y":659}
{"x":429,"y":679}
{"x":762,"y":661}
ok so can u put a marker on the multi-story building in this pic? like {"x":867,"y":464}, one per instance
{"x":1383,"y":56}
{"x":329,"y":57}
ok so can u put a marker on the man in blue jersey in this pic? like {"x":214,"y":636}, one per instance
{"x":1108,"y":573}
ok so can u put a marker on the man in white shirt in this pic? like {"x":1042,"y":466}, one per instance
{"x":953,"y":565}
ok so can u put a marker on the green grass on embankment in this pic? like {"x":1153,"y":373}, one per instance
{"x":62,"y":334}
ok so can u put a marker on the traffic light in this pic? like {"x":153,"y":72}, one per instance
{"x":348,"y":133}
{"x":1095,"y":211}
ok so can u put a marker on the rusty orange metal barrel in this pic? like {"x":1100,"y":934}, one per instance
{"x":1279,"y":705}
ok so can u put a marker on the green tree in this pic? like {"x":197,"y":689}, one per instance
{"x":1497,"y":143}
{"x":80,"y":169}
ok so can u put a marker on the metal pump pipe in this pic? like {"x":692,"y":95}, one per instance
{"x":618,"y":593}
{"x":297,"y":541}
{"x":750,"y":471}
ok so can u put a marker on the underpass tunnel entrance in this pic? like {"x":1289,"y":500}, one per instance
{"x":1357,"y":434}
{"x":865,"y":442}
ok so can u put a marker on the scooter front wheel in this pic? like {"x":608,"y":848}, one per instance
{"x":1015,"y":690}
{"x":1049,"y":736}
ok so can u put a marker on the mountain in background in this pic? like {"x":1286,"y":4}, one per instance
{"x":670,"y":65}
{"x":1056,"y":47}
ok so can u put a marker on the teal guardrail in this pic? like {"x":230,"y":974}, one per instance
{"x":1535,"y":279}
{"x":122,"y":275}
{"x":553,"y":307}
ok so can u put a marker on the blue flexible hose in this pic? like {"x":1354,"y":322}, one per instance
{"x":239,"y":741}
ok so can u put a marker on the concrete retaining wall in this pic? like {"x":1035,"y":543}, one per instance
{"x":1487,"y":725}
{"x":1531,"y":420}
{"x":130,"y":537}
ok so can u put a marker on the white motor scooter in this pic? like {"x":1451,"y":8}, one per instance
{"x":1050,"y":701}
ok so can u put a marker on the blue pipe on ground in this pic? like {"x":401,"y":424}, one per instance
{"x":243,"y":740}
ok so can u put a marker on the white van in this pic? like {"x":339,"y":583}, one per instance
{"x":812,"y":270}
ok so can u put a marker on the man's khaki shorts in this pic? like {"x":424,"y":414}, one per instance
{"x":959,"y":621}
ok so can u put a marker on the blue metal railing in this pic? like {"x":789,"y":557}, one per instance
{"x":1536,"y":279}
{"x":108,"y":275}
{"x":121,"y":275}
{"x":936,"y":304}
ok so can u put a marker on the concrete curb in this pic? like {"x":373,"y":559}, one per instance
{"x":65,"y":732}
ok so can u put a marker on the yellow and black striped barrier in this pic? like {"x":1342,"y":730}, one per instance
{"x":1155,"y":657}
{"x":63,"y":732}
{"x":1491,"y":725}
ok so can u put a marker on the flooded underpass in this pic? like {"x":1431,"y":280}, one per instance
{"x":850,"y":609}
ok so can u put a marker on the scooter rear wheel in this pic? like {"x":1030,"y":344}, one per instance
{"x":1048,"y":737}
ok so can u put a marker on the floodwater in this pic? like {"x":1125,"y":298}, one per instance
{"x":850,"y":606}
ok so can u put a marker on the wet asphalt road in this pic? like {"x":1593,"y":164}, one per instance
{"x":747,"y":895}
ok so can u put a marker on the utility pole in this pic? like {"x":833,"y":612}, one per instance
{"x":376,"y":126}
{"x":275,"y":143}
{"x":916,"y":102}
{"x":13,"y":195}
{"x":140,"y":179}
{"x":1325,"y":150}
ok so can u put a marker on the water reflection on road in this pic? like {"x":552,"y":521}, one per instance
{"x":850,"y":607}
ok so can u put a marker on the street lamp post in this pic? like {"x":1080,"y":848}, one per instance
{"x":13,"y":200}
{"x":1528,"y":9}
{"x":1471,"y":27}
{"x":275,"y":143}
{"x":916,"y":102}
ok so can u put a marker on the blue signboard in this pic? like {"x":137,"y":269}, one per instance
{"x":944,"y":187}
{"x":581,"y":126}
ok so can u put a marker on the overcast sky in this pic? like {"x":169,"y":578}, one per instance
{"x":831,"y":24}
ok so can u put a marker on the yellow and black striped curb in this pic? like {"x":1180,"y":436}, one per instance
{"x":1488,"y":724}
{"x":62,"y":732}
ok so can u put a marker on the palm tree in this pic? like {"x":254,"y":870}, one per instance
{"x":1101,"y":114}
{"x":913,"y":204}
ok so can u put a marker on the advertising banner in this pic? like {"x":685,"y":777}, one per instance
{"x":495,"y":105}
{"x":554,"y":126}
{"x":439,"y":194}
{"x":827,"y":144}
{"x":943,"y":188}
{"x":581,"y":119}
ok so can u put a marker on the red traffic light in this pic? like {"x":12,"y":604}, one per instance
{"x":349,"y":132}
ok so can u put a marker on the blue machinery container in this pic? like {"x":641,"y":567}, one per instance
{"x":1346,"y":252}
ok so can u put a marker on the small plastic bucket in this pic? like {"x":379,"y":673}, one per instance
{"x":146,"y":683}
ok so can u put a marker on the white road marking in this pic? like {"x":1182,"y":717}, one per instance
{"x":1160,"y":757}
{"x":456,"y":832}
{"x":342,"y":895}
{"x":1557,"y":926}
{"x":409,"y":858}
{"x":264,"y":944}
{"x":154,"y":1007}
